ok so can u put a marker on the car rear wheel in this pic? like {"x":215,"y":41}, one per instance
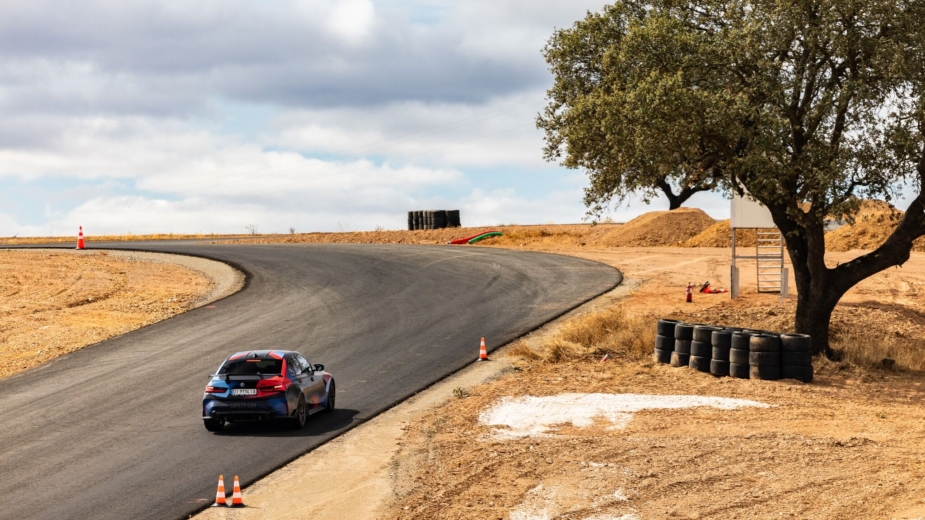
{"x":301,"y":414}
{"x":214,"y":425}
{"x":329,"y":406}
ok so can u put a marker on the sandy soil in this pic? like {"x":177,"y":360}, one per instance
{"x":837,"y":448}
{"x":844,"y":446}
{"x":56,"y":302}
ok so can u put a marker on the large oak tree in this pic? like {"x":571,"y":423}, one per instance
{"x":808,"y":106}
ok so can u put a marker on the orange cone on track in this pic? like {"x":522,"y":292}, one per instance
{"x":220,"y":493}
{"x":80,"y":239}
{"x":483,"y":352}
{"x":236,"y":499}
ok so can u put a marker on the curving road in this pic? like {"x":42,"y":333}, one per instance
{"x":114,"y":431}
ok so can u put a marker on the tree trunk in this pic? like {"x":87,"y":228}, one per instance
{"x":817,"y":295}
{"x":675,"y":201}
{"x":819,"y":288}
{"x":814,"y":312}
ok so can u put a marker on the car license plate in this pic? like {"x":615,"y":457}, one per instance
{"x":244,"y":391}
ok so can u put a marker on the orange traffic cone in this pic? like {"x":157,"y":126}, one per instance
{"x":80,"y":239}
{"x":220,"y":493}
{"x":236,"y":499}
{"x":483,"y":353}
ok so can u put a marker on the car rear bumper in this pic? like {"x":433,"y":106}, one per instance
{"x":245,"y":409}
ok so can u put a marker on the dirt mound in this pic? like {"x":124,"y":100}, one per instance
{"x":873,"y":224}
{"x":659,"y":228}
{"x":720,"y":235}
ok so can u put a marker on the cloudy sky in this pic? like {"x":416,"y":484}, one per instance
{"x":320,"y":115}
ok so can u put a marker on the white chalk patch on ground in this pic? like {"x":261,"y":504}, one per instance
{"x":536,"y":506}
{"x":619,"y":495}
{"x":530,"y":416}
{"x":541,"y":504}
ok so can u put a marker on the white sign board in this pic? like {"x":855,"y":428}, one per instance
{"x":749,"y":213}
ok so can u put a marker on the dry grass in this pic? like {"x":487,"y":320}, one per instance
{"x":611,"y":331}
{"x":875,"y":351}
{"x":116,"y":238}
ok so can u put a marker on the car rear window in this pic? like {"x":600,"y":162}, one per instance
{"x":242,"y":367}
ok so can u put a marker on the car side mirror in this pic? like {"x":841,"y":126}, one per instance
{"x":319,"y":368}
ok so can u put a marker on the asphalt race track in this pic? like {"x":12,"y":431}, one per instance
{"x":114,"y":430}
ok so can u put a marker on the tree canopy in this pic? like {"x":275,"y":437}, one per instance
{"x":808,"y":106}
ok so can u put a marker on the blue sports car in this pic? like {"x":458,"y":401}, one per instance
{"x":259,"y":385}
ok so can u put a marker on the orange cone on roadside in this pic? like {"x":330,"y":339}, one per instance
{"x":236,"y":499}
{"x":483,"y":352}
{"x":220,"y":493}
{"x":80,"y":239}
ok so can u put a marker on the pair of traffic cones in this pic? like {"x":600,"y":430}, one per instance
{"x":236,"y":499}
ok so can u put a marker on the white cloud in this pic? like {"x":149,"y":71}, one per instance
{"x":351,"y":20}
{"x":316,"y":114}
{"x":498,"y":132}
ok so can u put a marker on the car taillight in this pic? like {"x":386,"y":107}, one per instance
{"x":277,"y":384}
{"x":215,"y":389}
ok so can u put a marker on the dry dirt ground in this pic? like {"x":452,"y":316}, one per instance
{"x":840,"y":447}
{"x":52,"y":303}
{"x":847,"y":445}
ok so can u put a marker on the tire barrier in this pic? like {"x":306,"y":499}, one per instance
{"x":699,"y":363}
{"x":795,"y":358}
{"x":664,"y":343}
{"x":704,"y":333}
{"x":452,"y":218}
{"x":663,"y":356}
{"x":722,"y":339}
{"x":739,"y":357}
{"x":740,"y":340}
{"x":680,"y":360}
{"x":701,"y":349}
{"x":719,"y":368}
{"x":666,"y":327}
{"x":433,"y":219}
{"x":738,"y":371}
{"x":684,"y":331}
{"x":734,"y":351}
{"x":764,"y":357}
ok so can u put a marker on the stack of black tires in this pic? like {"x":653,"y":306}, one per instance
{"x":732,"y":351}
{"x":433,"y":219}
